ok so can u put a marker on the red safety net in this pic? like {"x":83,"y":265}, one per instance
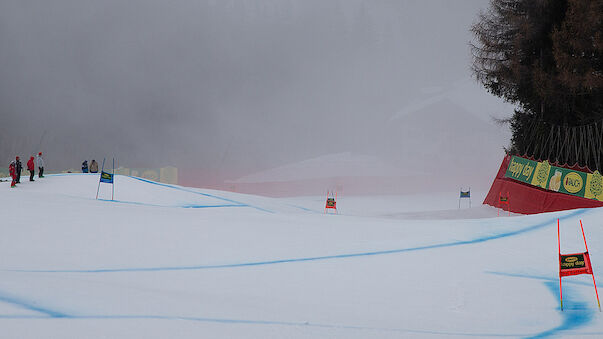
{"x":528,"y":199}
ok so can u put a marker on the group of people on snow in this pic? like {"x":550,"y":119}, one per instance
{"x":16,"y":167}
{"x":93,"y":166}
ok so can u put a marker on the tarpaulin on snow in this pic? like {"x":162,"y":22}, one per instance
{"x":529,"y":199}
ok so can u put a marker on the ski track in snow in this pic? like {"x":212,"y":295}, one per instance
{"x":575,"y":315}
{"x":49,"y":313}
{"x":180,"y":206}
{"x":233,"y":203}
{"x":267,"y":322}
{"x":318,"y":258}
{"x":179,"y":188}
{"x":573,"y":318}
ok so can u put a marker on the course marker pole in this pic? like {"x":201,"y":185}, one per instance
{"x":592,"y":273}
{"x":99,"y":179}
{"x":113,"y":181}
{"x":503,"y":200}
{"x":559,"y":244}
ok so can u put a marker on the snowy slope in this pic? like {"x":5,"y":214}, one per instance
{"x":168,"y":261}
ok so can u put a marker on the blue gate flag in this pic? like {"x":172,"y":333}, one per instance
{"x":106,"y":177}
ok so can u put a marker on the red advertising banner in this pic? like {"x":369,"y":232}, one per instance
{"x":529,"y":199}
{"x":574,"y":264}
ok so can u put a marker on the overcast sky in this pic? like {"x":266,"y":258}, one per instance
{"x":242,"y":84}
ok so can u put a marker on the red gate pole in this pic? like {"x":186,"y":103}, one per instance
{"x":336,"y":212}
{"x":559,"y":262}
{"x":592,"y":273}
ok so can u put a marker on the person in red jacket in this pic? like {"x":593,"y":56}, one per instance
{"x":13,"y":173}
{"x":31,"y":167}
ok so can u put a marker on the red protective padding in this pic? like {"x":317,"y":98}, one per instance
{"x":528,"y":199}
{"x":587,"y":269}
{"x":331,"y":204}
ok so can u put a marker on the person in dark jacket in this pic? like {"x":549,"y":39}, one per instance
{"x":31,"y":167}
{"x":18,"y":169}
{"x":13,"y":173}
{"x":94,"y":166}
{"x":85,"y":166}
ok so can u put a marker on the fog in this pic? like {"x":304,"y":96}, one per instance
{"x":236,"y":86}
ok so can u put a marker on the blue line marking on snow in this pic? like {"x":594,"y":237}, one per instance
{"x":233,"y":203}
{"x":302,"y":324}
{"x":199,"y":193}
{"x":48,"y":313}
{"x":573,"y":317}
{"x":32,"y":306}
{"x":267,"y":322}
{"x":4,"y":316}
{"x":575,"y":313}
{"x":259,"y":322}
{"x":319,"y":258}
{"x":208,"y":206}
{"x":179,"y":206}
{"x":304,"y":208}
{"x":538,"y":277}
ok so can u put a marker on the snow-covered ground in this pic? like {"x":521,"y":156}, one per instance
{"x":166,"y":261}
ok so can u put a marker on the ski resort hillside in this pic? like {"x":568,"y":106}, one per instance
{"x":450,"y":139}
{"x":166,"y":261}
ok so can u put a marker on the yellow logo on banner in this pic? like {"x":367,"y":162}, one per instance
{"x":594,"y":186}
{"x":542,"y":174}
{"x":573,"y":182}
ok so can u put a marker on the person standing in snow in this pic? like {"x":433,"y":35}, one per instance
{"x":13,"y":173}
{"x":18,"y":169}
{"x":85,"y":166}
{"x":31,"y":167}
{"x":40,"y":163}
{"x":94,"y":166}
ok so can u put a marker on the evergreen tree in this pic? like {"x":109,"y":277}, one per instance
{"x":578,"y":48}
{"x":545,"y":57}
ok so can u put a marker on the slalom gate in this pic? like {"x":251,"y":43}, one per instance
{"x":502,"y":201}
{"x":465,"y":195}
{"x":108,"y":178}
{"x":331,"y":203}
{"x":574,"y":264}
